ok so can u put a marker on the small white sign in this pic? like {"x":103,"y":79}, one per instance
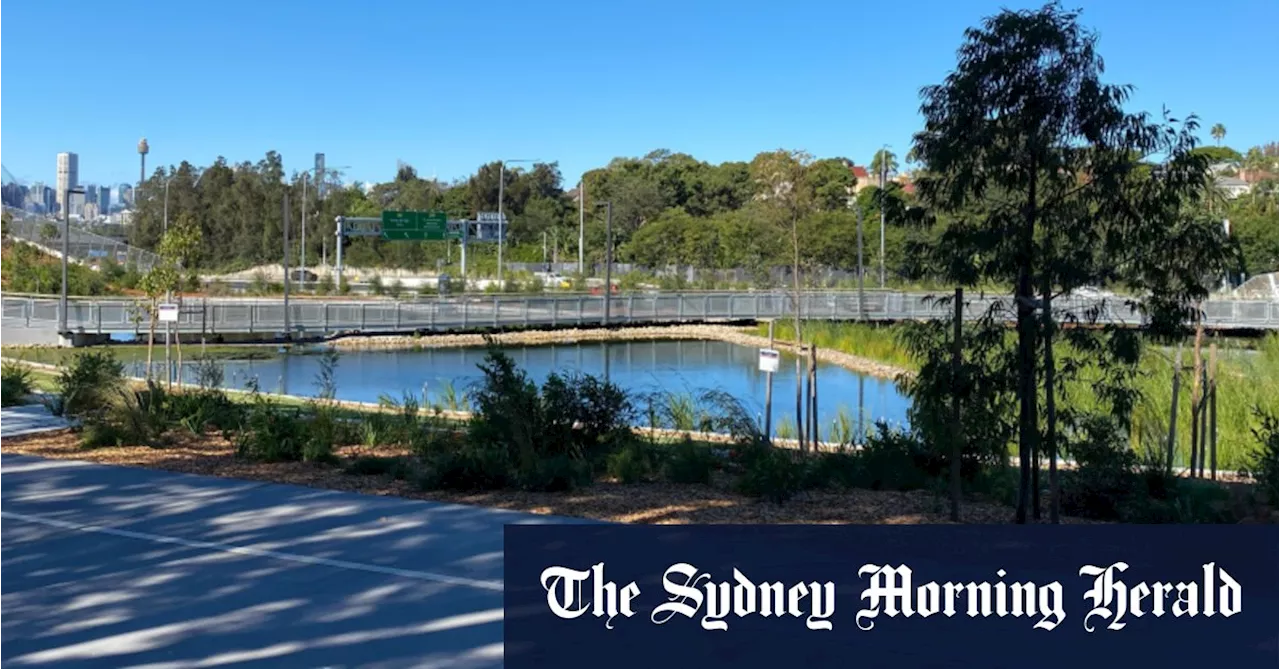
{"x":168,"y":313}
{"x":769,"y":360}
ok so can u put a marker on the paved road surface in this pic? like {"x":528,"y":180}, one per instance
{"x":116,"y":566}
{"x":20,"y":420}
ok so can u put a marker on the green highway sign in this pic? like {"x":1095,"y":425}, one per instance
{"x":416,"y":225}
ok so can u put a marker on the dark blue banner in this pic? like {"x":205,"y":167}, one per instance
{"x":1041,"y":596}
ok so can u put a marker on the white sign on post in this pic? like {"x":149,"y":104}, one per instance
{"x":769,"y":360}
{"x":168,"y":313}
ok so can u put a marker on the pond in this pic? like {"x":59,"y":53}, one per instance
{"x":640,"y":367}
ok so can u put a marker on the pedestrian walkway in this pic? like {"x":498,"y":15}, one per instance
{"x":29,"y":419}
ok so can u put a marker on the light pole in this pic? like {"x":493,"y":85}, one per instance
{"x":66,"y":249}
{"x":502,"y":224}
{"x":884,"y":177}
{"x":324,"y":240}
{"x":608,"y":257}
{"x":582,"y":226}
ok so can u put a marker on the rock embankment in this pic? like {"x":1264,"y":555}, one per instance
{"x":674,"y":332}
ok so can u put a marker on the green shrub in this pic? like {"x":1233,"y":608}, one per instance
{"x":375,"y":285}
{"x":377,"y":465}
{"x":1266,"y":460}
{"x":198,"y":410}
{"x":271,"y":433}
{"x":633,"y":463}
{"x":841,"y":470}
{"x":774,"y":474}
{"x":101,"y":435}
{"x":689,"y":463}
{"x":575,"y":416}
{"x":467,"y":469}
{"x":897,"y":460}
{"x":90,"y":383}
{"x":15,"y":384}
{"x":558,"y":473}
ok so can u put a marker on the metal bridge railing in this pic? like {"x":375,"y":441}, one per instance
{"x":267,"y":316}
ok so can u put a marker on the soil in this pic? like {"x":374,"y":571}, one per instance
{"x":643,"y":503}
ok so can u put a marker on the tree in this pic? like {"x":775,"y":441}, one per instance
{"x":885,"y":164}
{"x":830,"y":181}
{"x":780,"y":184}
{"x":1218,"y":131}
{"x":1043,"y":174}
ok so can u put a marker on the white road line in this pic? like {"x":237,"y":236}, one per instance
{"x":495,"y":586}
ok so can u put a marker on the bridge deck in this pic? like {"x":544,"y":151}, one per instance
{"x":318,"y":317}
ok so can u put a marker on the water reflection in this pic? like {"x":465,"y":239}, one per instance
{"x":641,"y":367}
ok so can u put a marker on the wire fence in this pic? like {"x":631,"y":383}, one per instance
{"x":82,"y":245}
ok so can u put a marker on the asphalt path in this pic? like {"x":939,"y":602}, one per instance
{"x":123,"y":567}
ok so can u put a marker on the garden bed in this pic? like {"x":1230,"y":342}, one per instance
{"x":641,"y":503}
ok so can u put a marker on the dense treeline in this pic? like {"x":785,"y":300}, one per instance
{"x":668,"y":208}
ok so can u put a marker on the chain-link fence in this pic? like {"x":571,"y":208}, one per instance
{"x":82,"y":245}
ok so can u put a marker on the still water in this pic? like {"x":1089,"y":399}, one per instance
{"x":640,"y":367}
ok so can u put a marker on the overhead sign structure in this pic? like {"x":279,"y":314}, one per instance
{"x":417,"y":225}
{"x":168,"y":313}
{"x":769,"y":360}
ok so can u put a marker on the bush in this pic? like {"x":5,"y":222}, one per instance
{"x":15,"y":384}
{"x":558,"y":473}
{"x":634,"y":463}
{"x":689,"y":463}
{"x":896,"y":460}
{"x":578,"y":417}
{"x":90,"y":383}
{"x":378,"y":465}
{"x":271,"y":433}
{"x":467,"y":469}
{"x":1266,"y":460}
{"x":775,"y":474}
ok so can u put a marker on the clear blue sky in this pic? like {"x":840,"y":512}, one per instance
{"x":446,"y":86}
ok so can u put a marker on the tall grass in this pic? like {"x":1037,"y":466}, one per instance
{"x":874,"y":342}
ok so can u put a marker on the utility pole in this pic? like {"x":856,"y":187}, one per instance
{"x":66,"y":250}
{"x":884,"y":178}
{"x":302,"y":250}
{"x":285,"y":207}
{"x":861,"y":311}
{"x":582,"y":225}
{"x":502,"y":176}
{"x":608,"y":258}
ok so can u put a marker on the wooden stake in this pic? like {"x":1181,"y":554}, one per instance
{"x":1213,"y":411}
{"x":1173,"y":411}
{"x":957,"y":438}
{"x":768,"y":396}
{"x":813,"y":396}
{"x":1196,"y":399}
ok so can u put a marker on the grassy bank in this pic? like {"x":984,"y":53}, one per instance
{"x":129,"y":353}
{"x":1248,"y":377}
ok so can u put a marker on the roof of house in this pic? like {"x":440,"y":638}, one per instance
{"x":1227,"y":182}
{"x":860,"y":172}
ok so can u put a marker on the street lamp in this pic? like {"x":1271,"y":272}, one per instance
{"x":502,"y":177}
{"x":608,"y":256}
{"x":324,"y":252}
{"x":66,"y":249}
{"x":884,"y":177}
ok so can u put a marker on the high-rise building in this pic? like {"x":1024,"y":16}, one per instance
{"x":68,"y":175}
{"x":77,"y":204}
{"x":104,"y":199}
{"x":124,"y":195}
{"x":91,"y":193}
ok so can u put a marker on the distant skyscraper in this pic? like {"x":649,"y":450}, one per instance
{"x":104,"y":199}
{"x":91,"y":193}
{"x":68,"y":175}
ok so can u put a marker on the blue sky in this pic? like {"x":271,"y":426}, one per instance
{"x":446,"y":86}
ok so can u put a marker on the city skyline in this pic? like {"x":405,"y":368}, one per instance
{"x":830,"y":78}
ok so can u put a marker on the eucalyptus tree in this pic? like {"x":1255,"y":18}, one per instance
{"x":1050,"y":184}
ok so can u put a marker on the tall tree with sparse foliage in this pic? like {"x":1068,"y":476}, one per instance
{"x":1045,"y":180}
